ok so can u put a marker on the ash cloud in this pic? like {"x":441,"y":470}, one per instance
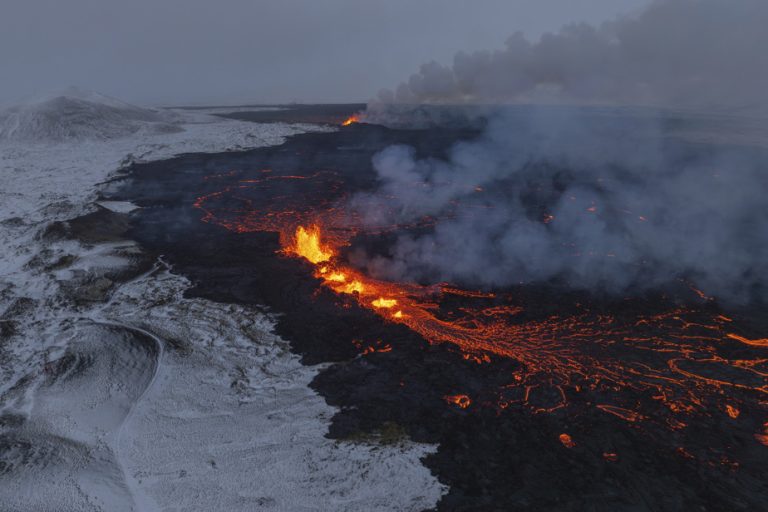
{"x":604,"y":200}
{"x":676,"y":52}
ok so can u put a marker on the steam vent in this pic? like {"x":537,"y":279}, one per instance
{"x":320,"y":263}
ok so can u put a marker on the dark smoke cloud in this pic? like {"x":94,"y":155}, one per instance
{"x":677,"y":52}
{"x":602,"y":200}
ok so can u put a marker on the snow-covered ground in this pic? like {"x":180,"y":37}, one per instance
{"x":121,"y":394}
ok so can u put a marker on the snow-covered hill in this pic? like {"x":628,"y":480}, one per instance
{"x":117,"y":393}
{"x":74,"y":114}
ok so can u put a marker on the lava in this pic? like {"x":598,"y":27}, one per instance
{"x":384,"y":303}
{"x":756,"y":343}
{"x":307,"y":245}
{"x":663,"y":392}
{"x":674,"y":359}
{"x":762,"y":437}
{"x":462,"y":401}
{"x":624,"y":414}
{"x":567,"y":441}
{"x":355,"y":118}
{"x":488,"y":330}
{"x":334,"y":277}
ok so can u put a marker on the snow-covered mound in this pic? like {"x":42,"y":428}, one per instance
{"x":119,"y":394}
{"x":74,"y":114}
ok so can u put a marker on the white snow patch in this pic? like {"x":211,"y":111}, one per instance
{"x":118,"y":206}
{"x":231,"y":424}
{"x":76,"y":115}
{"x":230,"y":110}
{"x":226,"y":422}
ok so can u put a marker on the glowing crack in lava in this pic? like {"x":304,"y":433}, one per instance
{"x":666,"y":367}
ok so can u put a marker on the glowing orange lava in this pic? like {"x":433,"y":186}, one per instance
{"x":355,"y":118}
{"x":538,"y":344}
{"x":674,"y":357}
{"x":384,"y":303}
{"x":762,"y":437}
{"x":306,"y":243}
{"x":334,"y":277}
{"x":462,"y":401}
{"x":755,"y":343}
{"x":567,"y":441}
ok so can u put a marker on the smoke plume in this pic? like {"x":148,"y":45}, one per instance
{"x":601,"y":200}
{"x":676,"y":52}
{"x":604,"y":199}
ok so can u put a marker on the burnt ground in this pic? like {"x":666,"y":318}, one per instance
{"x":492,"y":459}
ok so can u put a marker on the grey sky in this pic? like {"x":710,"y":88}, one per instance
{"x":197,"y":51}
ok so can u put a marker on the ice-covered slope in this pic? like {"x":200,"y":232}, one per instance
{"x":119,"y":394}
{"x":74,"y":114}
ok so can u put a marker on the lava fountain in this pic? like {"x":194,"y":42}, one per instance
{"x":534,"y":393}
{"x":355,"y":118}
{"x":636,"y":365}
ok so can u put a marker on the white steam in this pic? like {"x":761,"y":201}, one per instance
{"x":677,"y":52}
{"x":604,"y":199}
{"x":599,"y":199}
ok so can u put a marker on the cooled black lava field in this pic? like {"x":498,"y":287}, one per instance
{"x":540,"y":397}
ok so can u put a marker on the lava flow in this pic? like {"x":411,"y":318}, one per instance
{"x":307,"y":243}
{"x":634,"y":364}
{"x":560,"y":348}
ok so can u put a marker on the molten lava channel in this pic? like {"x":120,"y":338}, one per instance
{"x":674,"y":357}
{"x":306,"y":242}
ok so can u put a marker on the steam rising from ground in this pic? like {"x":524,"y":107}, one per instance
{"x":677,"y":52}
{"x":601,"y":199}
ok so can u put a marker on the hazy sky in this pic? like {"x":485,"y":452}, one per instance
{"x":225,"y":51}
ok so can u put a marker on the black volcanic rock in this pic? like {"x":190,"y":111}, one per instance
{"x":528,"y":458}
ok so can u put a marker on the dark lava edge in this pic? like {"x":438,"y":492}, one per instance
{"x":491,"y":462}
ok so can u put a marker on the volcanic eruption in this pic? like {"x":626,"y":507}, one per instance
{"x":663,"y":358}
{"x":672,"y":355}
{"x":533,"y":278}
{"x":354,"y":118}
